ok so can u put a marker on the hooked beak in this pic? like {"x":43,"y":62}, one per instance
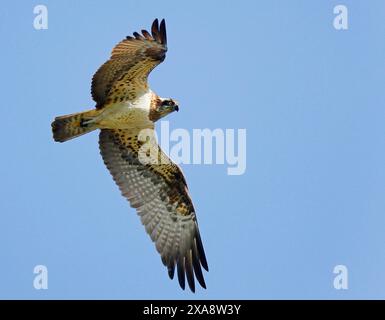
{"x":176,"y":108}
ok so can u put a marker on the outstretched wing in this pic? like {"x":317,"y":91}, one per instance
{"x":124,"y":76}
{"x":160,"y":195}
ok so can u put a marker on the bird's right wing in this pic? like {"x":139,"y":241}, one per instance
{"x":124,"y":76}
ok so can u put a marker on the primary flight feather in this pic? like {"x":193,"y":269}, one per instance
{"x":157,"y":189}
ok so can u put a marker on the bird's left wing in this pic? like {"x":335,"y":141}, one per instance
{"x":159,"y":193}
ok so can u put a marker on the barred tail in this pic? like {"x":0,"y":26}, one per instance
{"x":73,"y":125}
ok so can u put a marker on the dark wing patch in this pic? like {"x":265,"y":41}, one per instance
{"x":159,"y":194}
{"x":124,"y":76}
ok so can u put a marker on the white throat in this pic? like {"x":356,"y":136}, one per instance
{"x":143,"y":101}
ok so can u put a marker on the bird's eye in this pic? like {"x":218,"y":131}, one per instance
{"x":166,"y":103}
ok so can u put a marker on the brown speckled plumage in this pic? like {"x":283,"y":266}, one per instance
{"x":124,"y":76}
{"x":156,"y":189}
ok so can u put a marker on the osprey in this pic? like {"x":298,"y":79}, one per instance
{"x":125,"y":106}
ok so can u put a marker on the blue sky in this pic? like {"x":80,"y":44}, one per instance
{"x":310,"y":97}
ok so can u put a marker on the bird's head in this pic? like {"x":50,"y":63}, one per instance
{"x":163,"y":107}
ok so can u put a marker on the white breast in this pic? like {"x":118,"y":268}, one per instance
{"x":128,"y":114}
{"x":143,"y":102}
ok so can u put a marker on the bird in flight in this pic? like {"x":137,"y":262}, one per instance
{"x":154,"y":185}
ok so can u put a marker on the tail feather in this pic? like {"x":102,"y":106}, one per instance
{"x":71,"y":126}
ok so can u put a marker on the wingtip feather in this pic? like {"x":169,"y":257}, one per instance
{"x":138,"y":36}
{"x":189,"y":271}
{"x":201,"y":251}
{"x":163,"y":33}
{"x":155,"y":29}
{"x":181,"y":273}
